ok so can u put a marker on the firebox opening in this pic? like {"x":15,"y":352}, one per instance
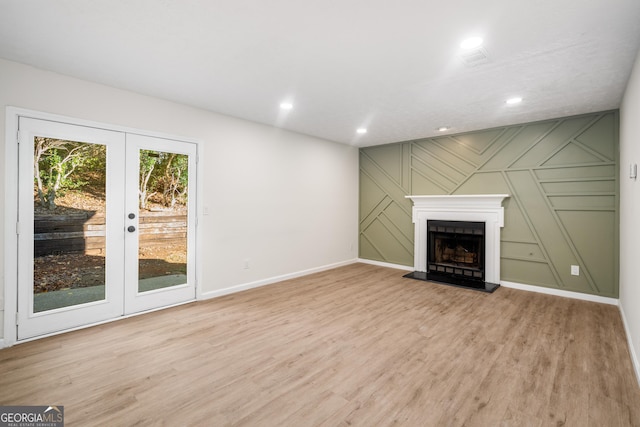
{"x":456,"y":249}
{"x":455,"y":253}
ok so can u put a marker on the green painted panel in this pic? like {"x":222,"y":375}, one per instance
{"x":431,"y":151}
{"x":368,"y":251}
{"x":591,"y":233}
{"x":381,"y":237}
{"x":597,"y":137}
{"x":480,"y":157}
{"x":583,"y":172}
{"x":436,"y":171}
{"x":542,"y":149}
{"x":581,"y":202}
{"x":370,"y":195}
{"x":572,"y":154}
{"x":423,"y":185}
{"x":562,"y":178}
{"x":515,"y":228}
{"x":478,"y":142}
{"x":389,"y":158}
{"x":384,"y":181}
{"x":402,"y":221}
{"x":579,"y":187}
{"x":512,"y":270}
{"x":517,"y":140}
{"x":546,"y":227}
{"x":479,"y":182}
{"x":522,"y":251}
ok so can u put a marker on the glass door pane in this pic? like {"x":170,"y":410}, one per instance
{"x":163,"y":213}
{"x":69,"y":223}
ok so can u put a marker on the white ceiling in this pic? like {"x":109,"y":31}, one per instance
{"x":390,"y":66}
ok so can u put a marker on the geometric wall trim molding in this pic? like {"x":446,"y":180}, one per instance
{"x":562,"y":176}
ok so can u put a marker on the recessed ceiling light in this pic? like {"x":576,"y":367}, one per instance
{"x":443,"y":128}
{"x":361,"y":131}
{"x":471,"y":43}
{"x":514,"y":100}
{"x":286,"y":106}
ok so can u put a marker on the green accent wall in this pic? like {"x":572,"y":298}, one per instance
{"x":562,"y":176}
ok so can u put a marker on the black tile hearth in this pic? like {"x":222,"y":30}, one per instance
{"x":476,"y":285}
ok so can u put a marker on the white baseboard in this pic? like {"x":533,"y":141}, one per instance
{"x":530,"y":288}
{"x":1,"y":342}
{"x":271,"y":280}
{"x":385,"y":264}
{"x":560,"y":293}
{"x":634,"y":356}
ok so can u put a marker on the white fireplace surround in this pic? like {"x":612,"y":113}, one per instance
{"x":485,"y":208}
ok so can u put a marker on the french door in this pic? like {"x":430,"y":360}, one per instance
{"x":158,"y":241}
{"x":106,"y":225}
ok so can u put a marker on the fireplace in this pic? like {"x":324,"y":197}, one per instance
{"x":470,"y":253}
{"x":456,"y":252}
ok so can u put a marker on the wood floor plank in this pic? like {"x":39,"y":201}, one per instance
{"x":357,"y":345}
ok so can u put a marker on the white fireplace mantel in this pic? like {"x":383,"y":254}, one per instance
{"x":485,"y":208}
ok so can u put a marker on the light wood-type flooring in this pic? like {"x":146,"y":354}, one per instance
{"x":358,"y":345}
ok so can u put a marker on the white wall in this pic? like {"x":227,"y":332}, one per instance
{"x":630,"y":213}
{"x":288,"y":202}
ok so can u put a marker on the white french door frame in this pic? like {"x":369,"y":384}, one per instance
{"x":134,"y":300}
{"x":35,"y":323}
{"x":10,"y":284}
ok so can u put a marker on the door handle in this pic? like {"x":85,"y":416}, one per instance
{"x":131,"y":229}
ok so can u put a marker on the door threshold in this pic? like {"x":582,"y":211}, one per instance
{"x":77,"y":328}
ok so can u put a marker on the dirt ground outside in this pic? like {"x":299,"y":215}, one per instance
{"x":78,"y":270}
{"x":69,"y":271}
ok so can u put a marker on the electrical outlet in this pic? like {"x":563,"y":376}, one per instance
{"x":246,"y":264}
{"x":575,"y":270}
